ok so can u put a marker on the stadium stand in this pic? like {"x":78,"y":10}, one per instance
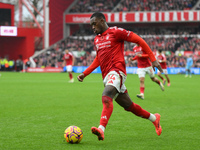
{"x":94,"y":5}
{"x":131,"y":5}
{"x":155,"y":5}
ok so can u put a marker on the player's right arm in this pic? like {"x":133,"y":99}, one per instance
{"x":93,"y":66}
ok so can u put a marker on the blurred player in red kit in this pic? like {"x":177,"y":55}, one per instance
{"x":144,"y":67}
{"x":162,"y":60}
{"x":109,"y":44}
{"x":68,"y":61}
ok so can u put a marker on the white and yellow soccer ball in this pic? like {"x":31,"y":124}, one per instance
{"x":73,"y":134}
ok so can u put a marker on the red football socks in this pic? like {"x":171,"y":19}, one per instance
{"x":138,"y":111}
{"x":142,"y":90}
{"x":70,"y":76}
{"x":107,"y":110}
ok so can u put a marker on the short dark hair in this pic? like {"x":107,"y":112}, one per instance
{"x":98,"y":15}
{"x":160,"y":50}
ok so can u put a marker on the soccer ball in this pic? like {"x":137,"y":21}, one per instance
{"x":73,"y":134}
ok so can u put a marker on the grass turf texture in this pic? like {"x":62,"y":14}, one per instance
{"x":36,"y":108}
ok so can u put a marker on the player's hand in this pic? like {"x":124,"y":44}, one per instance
{"x":81,"y":77}
{"x":130,"y":59}
{"x":157,"y":65}
{"x":63,"y":65}
{"x":139,"y":55}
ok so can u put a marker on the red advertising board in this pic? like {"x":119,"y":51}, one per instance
{"x":139,"y":17}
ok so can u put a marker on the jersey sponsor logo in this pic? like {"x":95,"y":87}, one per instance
{"x":66,"y":57}
{"x":103,"y":45}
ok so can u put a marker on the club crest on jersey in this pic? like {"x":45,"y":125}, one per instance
{"x":102,"y":38}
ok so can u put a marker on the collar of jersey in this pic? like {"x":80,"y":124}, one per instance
{"x":104,"y":32}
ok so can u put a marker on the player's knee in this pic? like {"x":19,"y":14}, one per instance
{"x":128,"y":108}
{"x":141,"y":80}
{"x":110,"y":91}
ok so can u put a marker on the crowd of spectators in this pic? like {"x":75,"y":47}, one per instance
{"x":155,"y":5}
{"x":94,"y":5}
{"x":82,"y":50}
{"x":131,"y":5}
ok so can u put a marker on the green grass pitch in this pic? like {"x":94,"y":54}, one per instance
{"x":36,"y":108}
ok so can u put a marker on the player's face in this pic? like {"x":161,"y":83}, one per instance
{"x":67,"y":51}
{"x":97,"y":25}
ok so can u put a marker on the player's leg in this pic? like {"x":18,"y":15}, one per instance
{"x":153,"y":78}
{"x":161,"y":77}
{"x":142,"y":87}
{"x":168,"y":80}
{"x":186,"y":71}
{"x":112,"y":83}
{"x":71,"y":77}
{"x":141,"y":74}
{"x":189,"y":72}
{"x":123,"y":99}
{"x":107,"y":101}
{"x":69,"y":70}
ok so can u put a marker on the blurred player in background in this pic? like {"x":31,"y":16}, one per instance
{"x":144,"y":67}
{"x":189,"y":63}
{"x":162,"y":60}
{"x":109,"y":44}
{"x":68,"y":61}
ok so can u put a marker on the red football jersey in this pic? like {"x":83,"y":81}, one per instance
{"x":68,"y":58}
{"x":162,"y":64}
{"x":143,"y":62}
{"x":110,"y":49}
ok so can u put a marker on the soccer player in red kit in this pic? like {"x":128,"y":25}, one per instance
{"x":162,"y":60}
{"x":69,"y":62}
{"x":144,"y":67}
{"x":109,"y":44}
